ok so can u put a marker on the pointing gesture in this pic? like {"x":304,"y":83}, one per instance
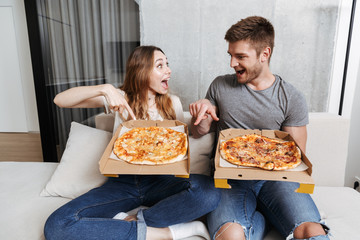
{"x":117,"y":101}
{"x":201,"y":110}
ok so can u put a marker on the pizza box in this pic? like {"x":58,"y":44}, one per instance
{"x":222,"y":173}
{"x":112,"y":168}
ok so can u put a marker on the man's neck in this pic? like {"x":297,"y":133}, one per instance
{"x":262,"y":82}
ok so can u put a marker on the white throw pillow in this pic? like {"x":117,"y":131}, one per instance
{"x":78,"y":170}
{"x":200,"y":152}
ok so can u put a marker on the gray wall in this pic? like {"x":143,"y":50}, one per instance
{"x":192,"y":35}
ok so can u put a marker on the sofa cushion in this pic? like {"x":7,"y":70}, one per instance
{"x":78,"y":171}
{"x":23,"y":211}
{"x":200,"y":152}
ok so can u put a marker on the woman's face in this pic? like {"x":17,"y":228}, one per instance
{"x":160,"y":75}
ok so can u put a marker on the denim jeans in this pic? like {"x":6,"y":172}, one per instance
{"x":170,"y":199}
{"x":255,"y":204}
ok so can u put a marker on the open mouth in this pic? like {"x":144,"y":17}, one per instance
{"x":165,"y":83}
{"x":240,"y":72}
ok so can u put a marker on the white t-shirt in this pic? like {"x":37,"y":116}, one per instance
{"x":153,"y":113}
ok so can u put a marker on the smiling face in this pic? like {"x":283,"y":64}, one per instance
{"x":160,"y":75}
{"x":245,"y":61}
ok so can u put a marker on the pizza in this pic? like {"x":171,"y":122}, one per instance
{"x":151,"y":146}
{"x":254,"y":150}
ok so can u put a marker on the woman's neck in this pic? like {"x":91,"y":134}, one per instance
{"x":151,"y":101}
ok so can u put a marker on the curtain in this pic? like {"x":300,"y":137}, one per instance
{"x":87,"y":42}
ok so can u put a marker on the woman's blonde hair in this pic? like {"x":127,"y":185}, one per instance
{"x":139,"y":66}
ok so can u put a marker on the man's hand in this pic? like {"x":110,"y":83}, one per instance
{"x":201,"y":109}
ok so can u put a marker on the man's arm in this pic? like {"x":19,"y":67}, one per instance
{"x":299,"y":134}
{"x":203,"y":113}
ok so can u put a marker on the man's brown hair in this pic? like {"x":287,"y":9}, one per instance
{"x":258,"y":30}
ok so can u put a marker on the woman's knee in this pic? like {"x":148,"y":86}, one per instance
{"x":230,"y":231}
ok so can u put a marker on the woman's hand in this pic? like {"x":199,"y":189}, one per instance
{"x":116,"y":100}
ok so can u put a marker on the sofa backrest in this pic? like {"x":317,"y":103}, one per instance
{"x":326,"y":148}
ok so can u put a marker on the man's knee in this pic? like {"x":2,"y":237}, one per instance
{"x":308,"y":230}
{"x":230,"y":231}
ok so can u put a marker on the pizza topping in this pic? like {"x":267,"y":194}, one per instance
{"x":151,"y":145}
{"x":258,"y":151}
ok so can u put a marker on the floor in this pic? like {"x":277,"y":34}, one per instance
{"x":20,"y":147}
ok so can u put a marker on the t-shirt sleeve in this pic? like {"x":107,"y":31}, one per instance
{"x":211,"y":93}
{"x":297,"y":111}
{"x":177,"y":107}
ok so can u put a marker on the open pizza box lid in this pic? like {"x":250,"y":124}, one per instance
{"x":241,"y":173}
{"x":113,"y":168}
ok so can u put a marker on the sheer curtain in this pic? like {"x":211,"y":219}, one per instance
{"x":87,"y":42}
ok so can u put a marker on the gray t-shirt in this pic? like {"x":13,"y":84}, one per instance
{"x":242,"y":107}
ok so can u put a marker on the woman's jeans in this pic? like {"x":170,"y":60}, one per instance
{"x":250,"y":202}
{"x":170,"y":199}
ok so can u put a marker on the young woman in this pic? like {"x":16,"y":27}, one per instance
{"x":100,"y":213}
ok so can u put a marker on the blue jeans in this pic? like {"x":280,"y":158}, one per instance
{"x":255,"y":204}
{"x":170,"y":199}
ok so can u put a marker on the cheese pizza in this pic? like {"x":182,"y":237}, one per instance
{"x":151,"y":146}
{"x":254,"y":150}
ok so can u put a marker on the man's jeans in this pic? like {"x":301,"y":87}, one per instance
{"x":250,"y":202}
{"x":170,"y":199}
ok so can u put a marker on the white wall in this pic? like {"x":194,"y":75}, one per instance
{"x":353,"y":163}
{"x":17,"y":94}
{"x":351,"y":105}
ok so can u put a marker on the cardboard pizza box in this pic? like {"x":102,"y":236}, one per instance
{"x":223,"y":173}
{"x":111,"y":167}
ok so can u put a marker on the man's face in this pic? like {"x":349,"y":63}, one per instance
{"x":245,"y":61}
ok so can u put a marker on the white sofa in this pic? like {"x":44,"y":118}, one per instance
{"x":24,"y":185}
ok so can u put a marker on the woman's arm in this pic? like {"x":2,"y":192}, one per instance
{"x":91,"y":97}
{"x":82,"y":97}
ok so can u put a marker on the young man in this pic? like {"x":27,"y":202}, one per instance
{"x":254,"y":98}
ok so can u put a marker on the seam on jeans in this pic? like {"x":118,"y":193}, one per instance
{"x":76,"y":214}
{"x":137,"y":180}
{"x":245,"y":209}
{"x":270,"y":210}
{"x":176,"y":183}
